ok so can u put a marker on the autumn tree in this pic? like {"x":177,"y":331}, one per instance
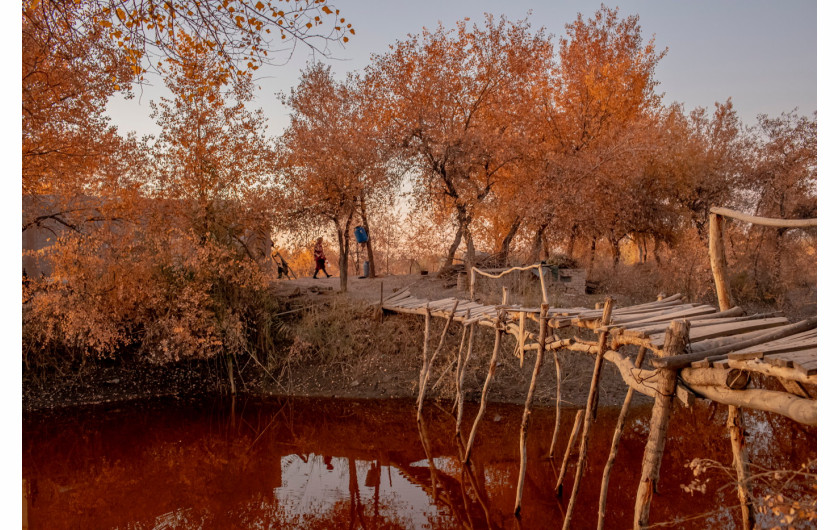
{"x":69,"y":70}
{"x":78,"y":53}
{"x":586,"y":132}
{"x":242,"y":34}
{"x":781,"y":180}
{"x":181,"y":275}
{"x":335,"y":164}
{"x":451,"y":98}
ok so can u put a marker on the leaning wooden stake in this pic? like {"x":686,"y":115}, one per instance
{"x":425,"y":360}
{"x":619,"y":428}
{"x":427,"y":367}
{"x":492,"y":370}
{"x":740,"y":460}
{"x":460,"y":381}
{"x":734,"y":422}
{"x":558,"y":489}
{"x":675,"y":340}
{"x":558,"y":370}
{"x":526,"y":415}
{"x":590,"y":411}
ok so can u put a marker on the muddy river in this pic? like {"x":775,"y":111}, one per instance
{"x":311,"y":463}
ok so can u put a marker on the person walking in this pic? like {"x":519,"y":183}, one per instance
{"x":320,"y":258}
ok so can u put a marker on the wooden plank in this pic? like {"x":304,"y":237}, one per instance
{"x":697,"y":321}
{"x":714,"y":348}
{"x":589,"y":314}
{"x":724,"y":330}
{"x":803,"y":361}
{"x":757,"y":352}
{"x":441,"y":303}
{"x":658,"y":316}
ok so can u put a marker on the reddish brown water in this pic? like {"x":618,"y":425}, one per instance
{"x":307,"y":463}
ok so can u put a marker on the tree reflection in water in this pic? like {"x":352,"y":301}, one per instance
{"x":313,"y":463}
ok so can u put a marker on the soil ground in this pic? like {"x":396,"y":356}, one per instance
{"x":382,"y":358}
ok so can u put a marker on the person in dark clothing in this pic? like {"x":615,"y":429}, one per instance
{"x":320,"y":258}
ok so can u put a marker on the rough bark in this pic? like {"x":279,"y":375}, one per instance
{"x":674,"y":345}
{"x":504,"y":251}
{"x":369,"y":244}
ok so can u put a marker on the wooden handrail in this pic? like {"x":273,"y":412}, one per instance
{"x":538,"y":266}
{"x":764,"y":221}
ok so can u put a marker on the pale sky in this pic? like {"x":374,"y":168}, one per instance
{"x":762,"y":54}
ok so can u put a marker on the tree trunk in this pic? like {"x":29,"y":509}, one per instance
{"x":450,"y":256}
{"x":615,"y":247}
{"x":368,"y":245}
{"x":656,"y":251}
{"x":591,"y":264}
{"x":537,"y":244}
{"x":464,"y":220}
{"x":343,"y":251}
{"x":504,"y":253}
{"x":570,"y":245}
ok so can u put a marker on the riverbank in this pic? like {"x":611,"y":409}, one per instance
{"x":336,"y":346}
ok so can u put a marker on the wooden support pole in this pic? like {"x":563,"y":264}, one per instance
{"x":558,"y":370}
{"x":490,"y":371}
{"x":424,"y":376}
{"x":542,"y":285}
{"x":459,"y":375}
{"x":425,"y":360}
{"x":590,"y":411}
{"x":619,"y":429}
{"x":558,"y":489}
{"x":734,"y":422}
{"x":526,"y":414}
{"x":717,"y":255}
{"x":740,"y":460}
{"x":522,"y":335}
{"x":675,"y":341}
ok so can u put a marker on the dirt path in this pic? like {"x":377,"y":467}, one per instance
{"x":365,"y":289}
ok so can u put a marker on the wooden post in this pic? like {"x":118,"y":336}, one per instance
{"x":472,"y":284}
{"x":427,"y":369}
{"x":558,"y":489}
{"x":675,"y":340}
{"x":542,"y":285}
{"x":740,"y":459}
{"x":492,"y":370}
{"x":504,"y":295}
{"x":526,"y":415}
{"x":522,"y":338}
{"x":590,"y":411}
{"x":460,"y":382}
{"x":425,"y":360}
{"x":619,"y":428}
{"x":734,"y":422}
{"x":558,"y":370}
{"x":717,"y":255}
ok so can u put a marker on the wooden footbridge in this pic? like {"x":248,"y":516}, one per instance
{"x":667,"y":348}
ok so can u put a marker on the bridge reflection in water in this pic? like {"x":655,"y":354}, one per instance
{"x":317,"y":463}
